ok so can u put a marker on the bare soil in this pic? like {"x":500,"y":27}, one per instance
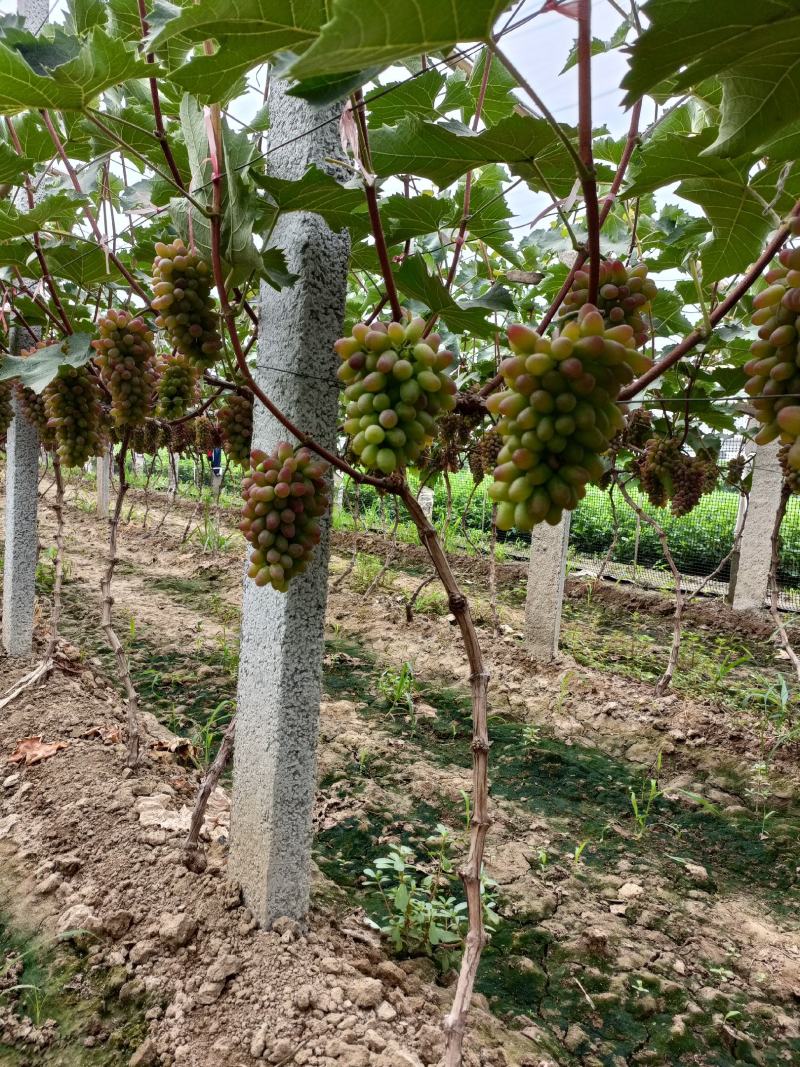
{"x":673,"y":942}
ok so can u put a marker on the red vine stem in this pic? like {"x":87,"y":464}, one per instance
{"x":716,"y":316}
{"x":608,"y":202}
{"x":589,"y":178}
{"x":90,"y":216}
{"x":357,"y":107}
{"x":488,"y":57}
{"x":37,"y":242}
{"x":158,"y":117}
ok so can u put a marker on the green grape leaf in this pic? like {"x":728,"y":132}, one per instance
{"x":738,"y":221}
{"x":599,"y":46}
{"x":389,"y":104}
{"x":319,"y":192}
{"x":414,"y":280}
{"x":753,"y":47}
{"x":101,"y":62}
{"x":84,"y":15}
{"x":443,"y":152}
{"x":38,"y":370}
{"x":61,"y":207}
{"x":415,"y":216}
{"x":674,"y":157}
{"x":13,"y":168}
{"x":247,"y":32}
{"x":365,"y":33}
{"x":327,"y":90}
{"x":499,"y":100}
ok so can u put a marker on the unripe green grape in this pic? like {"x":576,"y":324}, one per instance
{"x":400,"y":389}
{"x":74,"y":414}
{"x":182,"y":285}
{"x":235,"y":419}
{"x":555,"y":422}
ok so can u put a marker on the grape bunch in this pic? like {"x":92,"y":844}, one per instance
{"x":396,"y":384}
{"x":74,"y":415}
{"x":147,"y":438}
{"x":791,"y":477}
{"x":638,"y":429}
{"x":774,"y":366}
{"x":206,"y":434}
{"x":127,"y":362}
{"x":177,"y":385}
{"x":557,"y":414}
{"x":235,"y":419}
{"x":624,"y":296}
{"x":668,"y":475}
{"x":6,"y":410}
{"x":483,"y":457}
{"x":32,"y":404}
{"x":183,"y":301}
{"x":285,"y":494}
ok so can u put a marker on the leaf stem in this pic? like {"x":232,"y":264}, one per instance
{"x":357,"y":104}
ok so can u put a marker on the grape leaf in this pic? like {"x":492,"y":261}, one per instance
{"x":389,"y":104}
{"x":499,"y":100}
{"x":247,"y":32}
{"x":60,"y":207}
{"x":415,"y":216}
{"x":101,"y":62}
{"x":413,"y":279}
{"x":673,"y":157}
{"x":13,"y":168}
{"x":319,"y":192}
{"x":38,"y":370}
{"x":738,"y":221}
{"x":365,"y":33}
{"x":753,"y":47}
{"x":443,"y":152}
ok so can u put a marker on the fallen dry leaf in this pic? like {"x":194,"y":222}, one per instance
{"x":32,"y":750}
{"x":109,"y":735}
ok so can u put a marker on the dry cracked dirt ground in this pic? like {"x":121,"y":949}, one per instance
{"x":673,"y":938}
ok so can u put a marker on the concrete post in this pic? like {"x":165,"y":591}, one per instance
{"x":173,"y":475}
{"x":19,"y":566}
{"x":426,"y":498}
{"x":546,"y":573}
{"x":103,"y":468}
{"x":752,"y":571}
{"x":280,"y":666}
{"x":338,"y":491}
{"x":22,"y":481}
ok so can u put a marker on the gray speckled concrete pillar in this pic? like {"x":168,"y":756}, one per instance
{"x":19,"y":564}
{"x":752,"y":571}
{"x":103,"y":468}
{"x":426,"y":498}
{"x":22,"y":483}
{"x":280,"y":667}
{"x":546,"y":572}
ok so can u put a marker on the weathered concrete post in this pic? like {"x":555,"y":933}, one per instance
{"x":426,"y":498}
{"x":103,"y":468}
{"x":22,"y":482}
{"x":21,"y":547}
{"x":546,"y":573}
{"x":752,"y":571}
{"x":280,"y":665}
